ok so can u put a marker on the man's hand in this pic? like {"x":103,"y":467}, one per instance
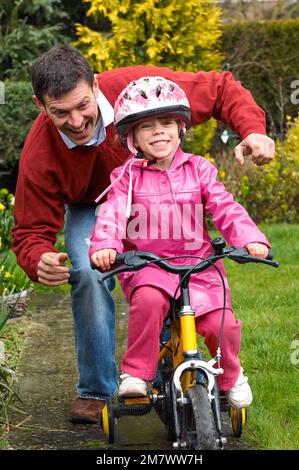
{"x":259,"y":146}
{"x":51,"y":269}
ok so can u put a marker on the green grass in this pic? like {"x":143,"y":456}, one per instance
{"x":3,"y":443}
{"x":14,"y":335}
{"x":266,"y":300}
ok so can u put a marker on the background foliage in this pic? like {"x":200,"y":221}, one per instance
{"x":16,"y":117}
{"x":28,"y":28}
{"x":153,"y":32}
{"x":6,"y":218}
{"x":270,"y":193}
{"x":263,"y":55}
{"x":166,"y":32}
{"x":183,"y":35}
{"x":257,"y":10}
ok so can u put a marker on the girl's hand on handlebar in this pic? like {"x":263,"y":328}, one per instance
{"x":103,"y":259}
{"x":258,"y":249}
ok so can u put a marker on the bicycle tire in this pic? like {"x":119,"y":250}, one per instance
{"x":198,"y":427}
{"x":238,"y":418}
{"x":107,"y":421}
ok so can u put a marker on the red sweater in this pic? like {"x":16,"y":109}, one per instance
{"x":52,"y":175}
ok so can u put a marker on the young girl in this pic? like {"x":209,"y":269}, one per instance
{"x":155,"y":203}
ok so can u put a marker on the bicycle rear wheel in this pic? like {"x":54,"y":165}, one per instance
{"x":198,"y":427}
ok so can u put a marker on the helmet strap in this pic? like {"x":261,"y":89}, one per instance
{"x":140,"y":155}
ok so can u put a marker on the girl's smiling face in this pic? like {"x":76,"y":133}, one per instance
{"x":158,"y":139}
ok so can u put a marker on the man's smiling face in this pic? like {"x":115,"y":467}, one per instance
{"x":75,"y":113}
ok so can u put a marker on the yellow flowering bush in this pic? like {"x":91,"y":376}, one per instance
{"x":180,"y":35}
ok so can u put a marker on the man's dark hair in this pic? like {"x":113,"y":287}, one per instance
{"x":58,"y":71}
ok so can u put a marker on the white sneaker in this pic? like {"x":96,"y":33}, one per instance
{"x":131,"y":386}
{"x":240,"y":395}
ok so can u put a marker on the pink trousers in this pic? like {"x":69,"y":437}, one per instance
{"x":149,"y":307}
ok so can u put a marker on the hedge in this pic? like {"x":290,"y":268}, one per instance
{"x":264,"y":57}
{"x":16,"y":117}
{"x":269,"y":193}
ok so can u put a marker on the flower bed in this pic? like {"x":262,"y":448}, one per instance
{"x":14,"y":286}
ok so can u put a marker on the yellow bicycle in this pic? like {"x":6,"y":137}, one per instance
{"x":184,"y":393}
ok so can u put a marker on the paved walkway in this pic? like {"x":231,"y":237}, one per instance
{"x":47,"y":377}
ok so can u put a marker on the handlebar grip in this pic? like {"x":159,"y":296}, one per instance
{"x":120,"y":258}
{"x":241,"y":255}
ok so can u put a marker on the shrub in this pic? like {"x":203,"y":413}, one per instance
{"x":263,"y":55}
{"x":167,"y":33}
{"x":198,"y":139}
{"x":16,"y":117}
{"x":28,"y":28}
{"x":269,"y":193}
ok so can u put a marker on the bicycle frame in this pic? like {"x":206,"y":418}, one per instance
{"x":183,"y":388}
{"x":186,"y":360}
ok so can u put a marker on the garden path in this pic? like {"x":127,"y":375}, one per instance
{"x":47,"y":377}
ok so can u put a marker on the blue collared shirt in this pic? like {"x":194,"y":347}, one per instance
{"x":99,"y":133}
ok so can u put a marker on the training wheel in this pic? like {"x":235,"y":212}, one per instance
{"x":107,"y":421}
{"x":238,"y":417}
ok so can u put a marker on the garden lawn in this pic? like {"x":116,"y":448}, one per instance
{"x":266,"y":299}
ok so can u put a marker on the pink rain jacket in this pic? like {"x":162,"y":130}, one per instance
{"x":163,"y":202}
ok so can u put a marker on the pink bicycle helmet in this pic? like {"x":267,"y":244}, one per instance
{"x":149,"y":97}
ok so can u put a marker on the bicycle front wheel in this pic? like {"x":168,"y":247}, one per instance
{"x":198,"y":427}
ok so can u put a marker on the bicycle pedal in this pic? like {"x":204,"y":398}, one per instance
{"x":134,"y":400}
{"x":134,"y":406}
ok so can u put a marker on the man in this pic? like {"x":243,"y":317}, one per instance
{"x":67,"y":158}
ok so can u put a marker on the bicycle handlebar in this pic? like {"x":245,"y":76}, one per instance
{"x":136,"y":260}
